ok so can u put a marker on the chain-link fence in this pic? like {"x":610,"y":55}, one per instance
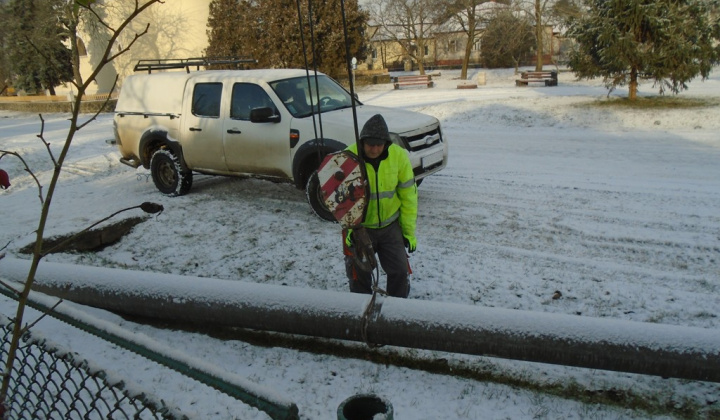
{"x":51,"y":383}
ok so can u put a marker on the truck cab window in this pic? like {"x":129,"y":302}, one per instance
{"x":246,"y":97}
{"x":297,"y":94}
{"x":206,"y":99}
{"x":294,"y":94}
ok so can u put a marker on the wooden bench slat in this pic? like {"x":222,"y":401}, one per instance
{"x":413,"y":81}
{"x":547,"y":77}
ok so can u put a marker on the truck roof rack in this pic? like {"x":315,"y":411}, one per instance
{"x":185,"y":63}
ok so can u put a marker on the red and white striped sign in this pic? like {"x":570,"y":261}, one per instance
{"x":344,"y":190}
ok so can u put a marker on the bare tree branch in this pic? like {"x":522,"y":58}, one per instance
{"x":72,"y":238}
{"x":107,"y":56}
{"x":409,"y":23}
{"x":45,"y":314}
{"x":73,"y":18}
{"x":41,"y":136}
{"x":3,"y":153}
{"x":101,"y":108}
{"x":6,"y":285}
{"x":126,"y":49}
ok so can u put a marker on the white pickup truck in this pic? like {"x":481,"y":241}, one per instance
{"x":267,"y":123}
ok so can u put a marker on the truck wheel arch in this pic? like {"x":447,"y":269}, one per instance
{"x":152,"y":140}
{"x":307,"y":159}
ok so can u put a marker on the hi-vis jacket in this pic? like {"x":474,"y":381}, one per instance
{"x":393,"y":194}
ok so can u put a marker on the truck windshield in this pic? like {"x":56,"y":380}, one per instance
{"x":302,"y":100}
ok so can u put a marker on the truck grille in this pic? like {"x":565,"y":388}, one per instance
{"x":423,"y":141}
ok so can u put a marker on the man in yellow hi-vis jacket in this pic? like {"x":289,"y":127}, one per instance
{"x":391,"y":212}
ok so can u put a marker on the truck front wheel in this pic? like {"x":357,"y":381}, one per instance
{"x":315,"y":198}
{"x":168,"y":175}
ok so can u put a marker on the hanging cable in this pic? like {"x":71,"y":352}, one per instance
{"x":351,"y":79}
{"x":307,"y":71}
{"x":320,"y":141}
{"x":305,"y":59}
{"x":375,"y":287}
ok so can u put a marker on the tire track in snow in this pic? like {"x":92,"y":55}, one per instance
{"x":514,"y":235}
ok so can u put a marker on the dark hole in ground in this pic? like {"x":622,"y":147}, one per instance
{"x":90,"y":241}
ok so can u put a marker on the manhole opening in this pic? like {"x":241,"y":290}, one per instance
{"x":365,"y":407}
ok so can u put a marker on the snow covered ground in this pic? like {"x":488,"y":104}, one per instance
{"x":615,"y":208}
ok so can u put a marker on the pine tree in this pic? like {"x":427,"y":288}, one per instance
{"x":39,"y":59}
{"x":4,"y":59}
{"x":270,"y":32}
{"x":225,"y":23}
{"x":623,"y":41}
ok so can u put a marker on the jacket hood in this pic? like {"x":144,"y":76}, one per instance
{"x":375,"y":131}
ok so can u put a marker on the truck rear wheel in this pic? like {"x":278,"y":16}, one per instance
{"x":315,"y":198}
{"x":168,"y":175}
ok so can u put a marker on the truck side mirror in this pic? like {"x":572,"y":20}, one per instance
{"x":265,"y":114}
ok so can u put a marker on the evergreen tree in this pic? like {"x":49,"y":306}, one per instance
{"x":506,"y":40}
{"x":667,"y":41}
{"x":4,"y":59}
{"x":225,"y":24}
{"x":38,"y":56}
{"x":566,"y":9}
{"x":270,"y":32}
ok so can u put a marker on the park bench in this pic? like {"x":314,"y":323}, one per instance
{"x":420,"y":80}
{"x":549,"y":78}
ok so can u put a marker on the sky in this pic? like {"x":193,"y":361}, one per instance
{"x":545,"y":191}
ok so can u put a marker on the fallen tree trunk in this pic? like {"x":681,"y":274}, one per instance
{"x":617,"y":345}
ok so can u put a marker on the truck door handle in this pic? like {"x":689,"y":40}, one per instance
{"x":234,"y":131}
{"x":195,"y":129}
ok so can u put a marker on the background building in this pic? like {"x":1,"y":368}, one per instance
{"x":176,"y":29}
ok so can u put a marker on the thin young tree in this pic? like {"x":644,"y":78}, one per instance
{"x":470,"y":16}
{"x":627,"y":41}
{"x":540,"y":14}
{"x":539,"y":11}
{"x":72,"y":13}
{"x":409,"y":23}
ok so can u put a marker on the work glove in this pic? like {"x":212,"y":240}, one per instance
{"x":348,"y":238}
{"x":410,"y":243}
